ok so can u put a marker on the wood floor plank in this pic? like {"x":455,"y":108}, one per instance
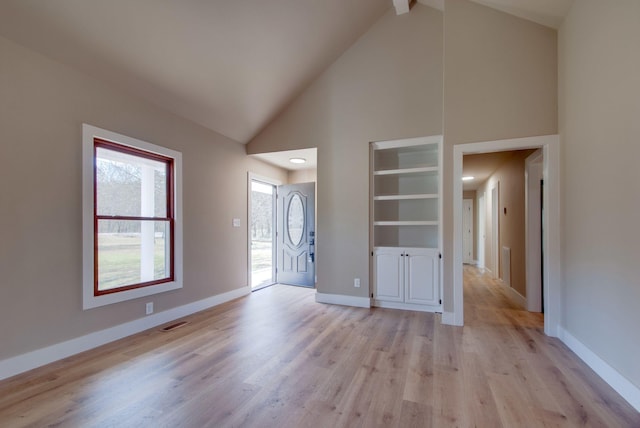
{"x":279,"y":359}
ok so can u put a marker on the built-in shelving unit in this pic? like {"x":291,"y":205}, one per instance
{"x":406,"y":222}
{"x":406,"y":192}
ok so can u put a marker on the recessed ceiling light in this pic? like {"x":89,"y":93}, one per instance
{"x":468,"y":178}
{"x":297,"y":160}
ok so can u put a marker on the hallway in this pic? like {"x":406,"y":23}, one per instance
{"x":523,"y":375}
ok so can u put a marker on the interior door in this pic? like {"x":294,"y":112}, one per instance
{"x":482,"y":209}
{"x":296,"y":234}
{"x":467,"y":230}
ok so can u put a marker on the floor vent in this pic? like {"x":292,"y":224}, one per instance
{"x":174,"y":326}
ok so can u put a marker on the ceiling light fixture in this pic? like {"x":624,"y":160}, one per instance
{"x":468,"y":178}
{"x":297,"y":160}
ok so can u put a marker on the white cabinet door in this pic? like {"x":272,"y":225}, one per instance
{"x":422,"y":276}
{"x":389,"y":274}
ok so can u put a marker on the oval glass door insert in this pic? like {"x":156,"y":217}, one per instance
{"x":295,"y":220}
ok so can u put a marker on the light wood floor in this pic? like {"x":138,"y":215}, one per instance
{"x":278,"y":359}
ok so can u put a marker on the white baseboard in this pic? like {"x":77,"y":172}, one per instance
{"x":451,"y":318}
{"x":519,"y":298}
{"x":406,"y":306}
{"x":340,"y":299}
{"x":40,"y":357}
{"x":621,"y":384}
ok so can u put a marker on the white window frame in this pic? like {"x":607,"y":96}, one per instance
{"x":89,"y":300}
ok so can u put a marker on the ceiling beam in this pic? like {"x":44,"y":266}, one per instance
{"x":402,"y":6}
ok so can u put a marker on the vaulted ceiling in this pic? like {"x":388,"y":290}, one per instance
{"x":231,"y":66}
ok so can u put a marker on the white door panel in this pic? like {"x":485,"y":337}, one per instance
{"x":389,"y":275}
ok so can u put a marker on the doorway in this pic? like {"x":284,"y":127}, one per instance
{"x":262,"y":231}
{"x":285,"y":255}
{"x":454,"y":314}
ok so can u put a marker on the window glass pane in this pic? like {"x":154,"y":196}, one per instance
{"x":295,"y":220}
{"x":129,"y":185}
{"x":132,"y":252}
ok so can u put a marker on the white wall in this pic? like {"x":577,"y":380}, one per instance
{"x":600,"y":136}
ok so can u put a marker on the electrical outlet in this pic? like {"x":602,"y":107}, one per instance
{"x":149,"y":308}
{"x":356,"y":282}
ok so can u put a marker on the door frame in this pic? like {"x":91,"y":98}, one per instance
{"x":533,"y":245}
{"x":550,"y":145}
{"x":267,"y":180}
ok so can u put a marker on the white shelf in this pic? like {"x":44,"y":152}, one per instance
{"x":406,"y":171}
{"x":407,"y":142}
{"x":406,"y":223}
{"x":406,"y":192}
{"x":405,"y":197}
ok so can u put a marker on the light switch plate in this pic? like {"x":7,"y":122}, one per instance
{"x":236,"y":222}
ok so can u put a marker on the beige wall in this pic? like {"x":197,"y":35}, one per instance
{"x":302,"y":176}
{"x":600,"y":136}
{"x":42,"y":108}
{"x":388,"y":85}
{"x":510,"y":175}
{"x":500,"y":81}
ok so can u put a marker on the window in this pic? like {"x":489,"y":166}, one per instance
{"x":132,"y":229}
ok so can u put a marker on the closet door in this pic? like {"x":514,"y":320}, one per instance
{"x":389,"y":274}
{"x":422,"y":276}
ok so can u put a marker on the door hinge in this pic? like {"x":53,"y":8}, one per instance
{"x":372,"y":253}
{"x":372,"y":295}
{"x":440,"y":255}
{"x":440,"y":301}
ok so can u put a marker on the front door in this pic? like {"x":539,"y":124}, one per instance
{"x":296,"y":234}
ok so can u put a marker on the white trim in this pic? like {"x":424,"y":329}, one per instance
{"x":22,"y":363}
{"x":406,"y":223}
{"x":618,"y":382}
{"x":406,"y":306}
{"x":552,"y":256}
{"x":402,"y":6}
{"x":532,"y":237}
{"x":407,"y":142}
{"x":417,"y":170}
{"x":405,"y":197}
{"x":340,"y":299}
{"x":517,"y":297}
{"x":89,"y":300}
{"x":448,"y":318}
{"x":252,"y":176}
